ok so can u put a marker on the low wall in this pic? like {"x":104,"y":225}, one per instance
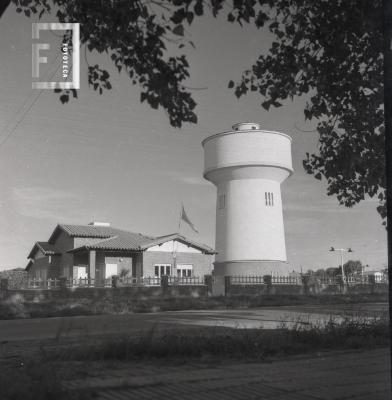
{"x":110,"y":294}
{"x":260,"y":290}
{"x":304,"y":289}
{"x":134,"y":293}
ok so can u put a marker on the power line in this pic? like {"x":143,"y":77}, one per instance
{"x":36,"y":95}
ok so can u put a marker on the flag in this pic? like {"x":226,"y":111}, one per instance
{"x":186,"y":219}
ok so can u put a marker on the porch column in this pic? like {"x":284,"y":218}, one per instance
{"x":91,"y":264}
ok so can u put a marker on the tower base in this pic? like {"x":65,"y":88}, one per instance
{"x":251,"y":268}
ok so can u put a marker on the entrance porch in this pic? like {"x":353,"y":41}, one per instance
{"x":98,"y":266}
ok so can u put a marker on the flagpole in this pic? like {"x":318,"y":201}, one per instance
{"x":174,"y":243}
{"x":179,"y":220}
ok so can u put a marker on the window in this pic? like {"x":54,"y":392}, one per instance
{"x":269,"y":199}
{"x":184,"y":270}
{"x":222,"y":201}
{"x":162,"y":270}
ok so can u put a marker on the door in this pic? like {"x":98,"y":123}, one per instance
{"x":110,"y":270}
{"x":81,"y":272}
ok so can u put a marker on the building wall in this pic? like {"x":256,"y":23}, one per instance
{"x":251,"y":268}
{"x":64,"y":243}
{"x":44,"y":267}
{"x":176,"y":246}
{"x":202,"y":263}
{"x":246,"y":227}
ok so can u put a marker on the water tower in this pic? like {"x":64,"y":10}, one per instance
{"x":248,"y":165}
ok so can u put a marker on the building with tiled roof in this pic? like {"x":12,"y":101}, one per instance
{"x":98,"y":251}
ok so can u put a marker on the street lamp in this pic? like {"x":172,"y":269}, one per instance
{"x":341,"y":258}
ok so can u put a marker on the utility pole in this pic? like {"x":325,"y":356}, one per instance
{"x":341,"y":259}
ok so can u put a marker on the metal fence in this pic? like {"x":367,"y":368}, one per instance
{"x":126,"y":281}
{"x":297,"y":280}
{"x":140,"y":281}
{"x":42,"y":283}
{"x":109,"y":282}
{"x":286,"y":280}
{"x":247,"y":280}
{"x":186,"y":280}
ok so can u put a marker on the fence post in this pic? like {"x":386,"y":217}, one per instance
{"x":208,"y":283}
{"x":305,"y":282}
{"x":227,"y":285}
{"x":165,"y":284}
{"x":114,"y":281}
{"x":3,"y":288}
{"x":63,"y":283}
{"x":267,"y":279}
{"x":342,"y":285}
{"x":372,"y":283}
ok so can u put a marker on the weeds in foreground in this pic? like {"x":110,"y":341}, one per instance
{"x":35,"y":380}
{"x":44,"y":378}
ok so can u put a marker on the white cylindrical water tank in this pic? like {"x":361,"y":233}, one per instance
{"x":247,"y":165}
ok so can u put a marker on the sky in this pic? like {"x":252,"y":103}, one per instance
{"x":111,"y":158}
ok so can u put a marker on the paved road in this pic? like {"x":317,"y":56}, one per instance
{"x":267,"y":318}
{"x":333,"y":376}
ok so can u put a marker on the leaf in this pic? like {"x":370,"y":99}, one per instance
{"x":64,"y":98}
{"x":266,"y":105}
{"x":178,"y":30}
{"x":231,"y":84}
{"x":189,"y":17}
{"x":199,"y":8}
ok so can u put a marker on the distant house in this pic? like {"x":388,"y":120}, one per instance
{"x":98,"y":251}
{"x":379,"y":276}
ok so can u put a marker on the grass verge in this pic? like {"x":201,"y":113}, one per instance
{"x":45,"y":377}
{"x":16,"y":306}
{"x":225,"y":343}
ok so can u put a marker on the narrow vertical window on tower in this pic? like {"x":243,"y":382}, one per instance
{"x":269,"y":199}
